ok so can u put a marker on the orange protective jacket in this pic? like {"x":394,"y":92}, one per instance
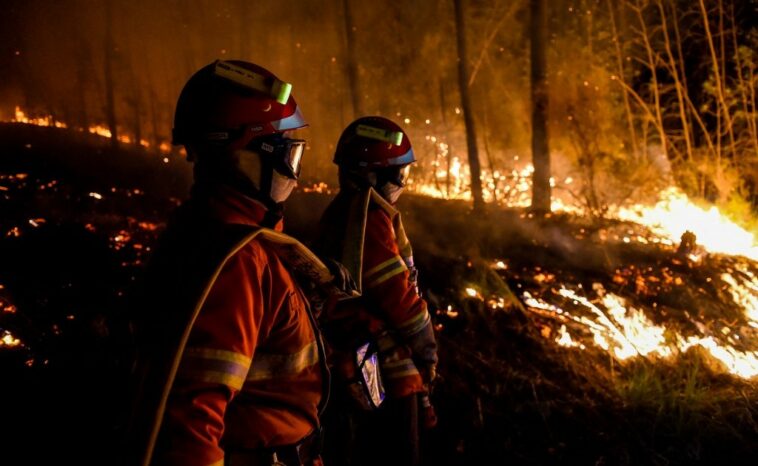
{"x":230,"y":357}
{"x":365,"y":233}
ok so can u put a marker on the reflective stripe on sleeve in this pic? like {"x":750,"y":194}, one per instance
{"x":400,"y":368}
{"x":214,"y":366}
{"x":384,"y":271}
{"x":273,"y":365}
{"x":415,"y":324}
{"x":217,"y":463}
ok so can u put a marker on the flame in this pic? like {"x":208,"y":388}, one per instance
{"x":626,"y":332}
{"x":320,"y":187}
{"x":100,"y":130}
{"x":20,"y":117}
{"x":675,"y":214}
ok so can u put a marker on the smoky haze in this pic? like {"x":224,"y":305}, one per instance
{"x":55,"y":54}
{"x":612,"y":123}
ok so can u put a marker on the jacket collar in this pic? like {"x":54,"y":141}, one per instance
{"x":228,"y":205}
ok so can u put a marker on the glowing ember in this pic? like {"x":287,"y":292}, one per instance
{"x":9,"y":340}
{"x":500,"y":265}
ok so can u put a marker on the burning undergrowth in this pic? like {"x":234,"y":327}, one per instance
{"x":563,"y":340}
{"x":552,"y":325}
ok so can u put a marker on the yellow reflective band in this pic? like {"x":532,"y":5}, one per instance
{"x":397,"y":369}
{"x":280,"y":90}
{"x":415,"y":324}
{"x":212,"y":365}
{"x":271,"y":365}
{"x":379,"y":267}
{"x":391,"y":271}
{"x":393,"y":137}
{"x":218,"y":463}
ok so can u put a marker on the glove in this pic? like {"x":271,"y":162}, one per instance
{"x":428,"y":373}
{"x":342,"y":278}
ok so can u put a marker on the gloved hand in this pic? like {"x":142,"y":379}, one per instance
{"x":342,"y":278}
{"x":428,"y":373}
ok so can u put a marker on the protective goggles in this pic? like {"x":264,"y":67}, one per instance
{"x":285,"y":152}
{"x":397,"y":175}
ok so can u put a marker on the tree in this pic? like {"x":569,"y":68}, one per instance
{"x":351,"y":62}
{"x":468,"y":118}
{"x":110,"y":103}
{"x":539,"y":90}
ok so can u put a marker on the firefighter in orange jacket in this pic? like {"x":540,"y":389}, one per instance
{"x":362,"y":229}
{"x":230,"y":369}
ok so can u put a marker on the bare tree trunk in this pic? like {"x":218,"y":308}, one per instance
{"x":723,"y":107}
{"x":621,"y":76}
{"x":488,"y":153}
{"x":351,"y":61}
{"x":110,"y":104}
{"x":680,"y":89}
{"x":539,"y":90}
{"x":488,"y":41}
{"x":137,"y":106}
{"x":749,"y":119}
{"x":156,"y":140}
{"x":449,"y":161}
{"x":652,"y":63}
{"x":682,"y":66}
{"x":468,"y":117}
{"x":82,"y":61}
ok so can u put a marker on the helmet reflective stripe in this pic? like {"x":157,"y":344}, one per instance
{"x":395,"y":137}
{"x":293,"y":121}
{"x":279,"y":90}
{"x":404,"y":159}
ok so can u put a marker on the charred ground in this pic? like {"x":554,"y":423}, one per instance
{"x":77,"y":221}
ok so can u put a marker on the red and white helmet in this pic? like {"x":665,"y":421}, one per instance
{"x":373,"y":142}
{"x":230,"y":103}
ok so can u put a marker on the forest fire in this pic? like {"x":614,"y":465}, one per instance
{"x":20,"y":116}
{"x":599,"y":319}
{"x":668,"y":219}
{"x":583,"y":208}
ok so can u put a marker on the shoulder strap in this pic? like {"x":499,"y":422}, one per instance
{"x":297,"y":256}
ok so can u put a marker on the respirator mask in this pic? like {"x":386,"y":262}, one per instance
{"x":273,"y":164}
{"x":391,"y":182}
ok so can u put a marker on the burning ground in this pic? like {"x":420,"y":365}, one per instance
{"x":563,"y":339}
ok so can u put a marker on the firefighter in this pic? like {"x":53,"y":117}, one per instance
{"x":230,"y":367}
{"x":362,"y":229}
